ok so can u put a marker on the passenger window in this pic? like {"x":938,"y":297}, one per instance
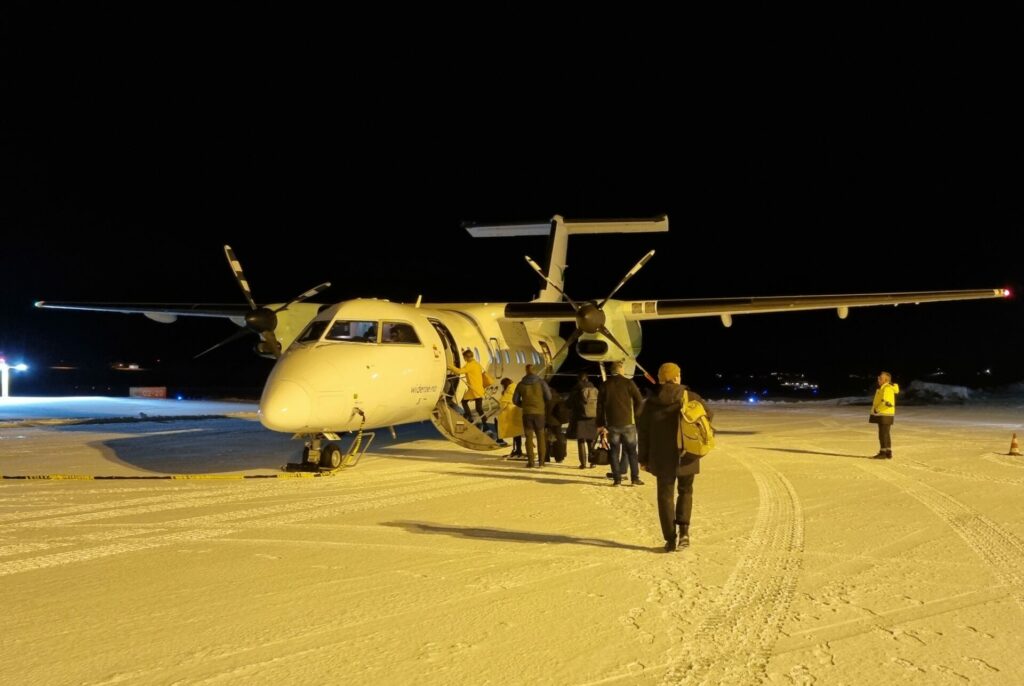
{"x":344,"y":330}
{"x":398,"y":332}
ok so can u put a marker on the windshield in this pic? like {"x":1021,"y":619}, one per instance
{"x":313,"y":332}
{"x":398,"y":332}
{"x":345,"y":330}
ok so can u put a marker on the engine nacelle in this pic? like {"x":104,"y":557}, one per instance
{"x":594,"y":347}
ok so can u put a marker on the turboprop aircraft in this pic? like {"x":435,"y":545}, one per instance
{"x":367,"y":363}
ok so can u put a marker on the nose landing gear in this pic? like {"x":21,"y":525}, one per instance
{"x":324,"y":452}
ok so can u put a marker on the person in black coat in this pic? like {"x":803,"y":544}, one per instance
{"x":659,"y":453}
{"x":583,"y":403}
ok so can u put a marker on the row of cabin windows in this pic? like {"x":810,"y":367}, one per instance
{"x":394,"y":332}
{"x":520,"y":356}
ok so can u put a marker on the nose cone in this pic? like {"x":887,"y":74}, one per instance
{"x":285,"y":406}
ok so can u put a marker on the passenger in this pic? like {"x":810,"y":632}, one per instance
{"x":510,"y":418}
{"x":532,"y":394}
{"x":618,"y":404}
{"x":556,"y":413}
{"x":474,"y":382}
{"x":583,"y":403}
{"x":659,"y":452}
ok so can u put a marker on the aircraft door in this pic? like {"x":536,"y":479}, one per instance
{"x":546,"y":352}
{"x":451,"y":357}
{"x":499,"y":363}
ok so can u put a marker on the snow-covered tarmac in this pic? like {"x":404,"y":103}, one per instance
{"x":427,"y":564}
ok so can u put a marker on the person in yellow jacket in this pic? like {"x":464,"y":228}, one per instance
{"x":510,"y":418}
{"x":883,"y":413}
{"x":474,"y":382}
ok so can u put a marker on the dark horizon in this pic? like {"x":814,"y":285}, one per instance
{"x":839,"y":175}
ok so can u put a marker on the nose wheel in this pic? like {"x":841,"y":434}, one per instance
{"x":325,"y":452}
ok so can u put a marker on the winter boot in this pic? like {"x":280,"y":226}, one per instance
{"x":684,"y":535}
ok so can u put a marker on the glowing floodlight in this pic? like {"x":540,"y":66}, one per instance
{"x":5,"y":375}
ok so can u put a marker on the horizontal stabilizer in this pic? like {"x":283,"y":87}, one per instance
{"x":572,"y":227}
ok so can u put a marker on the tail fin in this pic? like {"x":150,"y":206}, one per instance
{"x":558,"y":231}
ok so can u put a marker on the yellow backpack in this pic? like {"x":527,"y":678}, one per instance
{"x":696,"y":435}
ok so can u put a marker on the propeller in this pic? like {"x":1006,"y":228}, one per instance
{"x":590,"y":317}
{"x":259,"y":320}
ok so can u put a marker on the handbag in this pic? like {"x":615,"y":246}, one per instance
{"x":599,"y":453}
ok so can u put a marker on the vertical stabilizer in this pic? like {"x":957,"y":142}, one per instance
{"x":558,"y":231}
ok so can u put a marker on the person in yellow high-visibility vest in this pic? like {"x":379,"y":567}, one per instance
{"x":883,"y":413}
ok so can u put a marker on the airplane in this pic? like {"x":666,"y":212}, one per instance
{"x":366,"y":363}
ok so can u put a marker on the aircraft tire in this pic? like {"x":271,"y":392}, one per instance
{"x":330,"y":457}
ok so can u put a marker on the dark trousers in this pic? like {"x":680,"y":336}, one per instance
{"x":585,"y":448}
{"x":625,"y":436}
{"x":533,"y":426}
{"x":479,"y":408}
{"x":884,"y":439}
{"x":671,"y":510}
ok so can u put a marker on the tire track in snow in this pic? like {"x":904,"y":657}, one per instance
{"x":959,"y":473}
{"x":737,"y":637}
{"x":197,"y":528}
{"x":999,"y":548}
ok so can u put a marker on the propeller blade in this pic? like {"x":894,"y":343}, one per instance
{"x":230,"y":339}
{"x":236,"y":267}
{"x":308,"y":294}
{"x":608,"y":334}
{"x":540,"y":272}
{"x":629,"y":275}
{"x":568,"y":341}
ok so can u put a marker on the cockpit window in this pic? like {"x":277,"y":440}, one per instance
{"x":345,"y":330}
{"x":313,"y":332}
{"x":398,"y":332}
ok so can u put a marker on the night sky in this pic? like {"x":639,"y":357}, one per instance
{"x":823,"y":172}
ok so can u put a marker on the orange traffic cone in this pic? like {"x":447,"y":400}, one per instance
{"x":1014,"y":448}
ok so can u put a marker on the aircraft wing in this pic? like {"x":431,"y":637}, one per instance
{"x":161,"y":312}
{"x":643,"y":310}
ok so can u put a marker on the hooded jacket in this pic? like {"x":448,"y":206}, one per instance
{"x":532,"y":394}
{"x":659,"y":430}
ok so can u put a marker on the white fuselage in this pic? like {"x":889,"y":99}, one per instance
{"x":346,"y":366}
